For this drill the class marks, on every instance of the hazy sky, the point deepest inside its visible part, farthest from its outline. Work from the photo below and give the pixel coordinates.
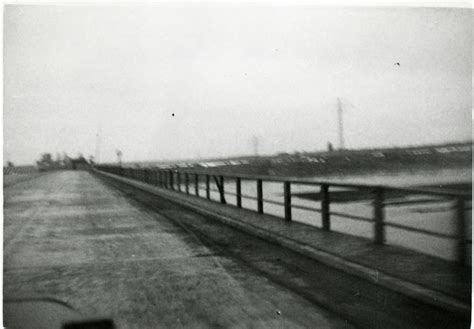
(229, 72)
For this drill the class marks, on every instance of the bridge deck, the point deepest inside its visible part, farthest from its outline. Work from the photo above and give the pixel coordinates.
(403, 266)
(69, 237)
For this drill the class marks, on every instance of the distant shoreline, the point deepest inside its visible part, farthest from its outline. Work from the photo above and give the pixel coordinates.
(341, 162)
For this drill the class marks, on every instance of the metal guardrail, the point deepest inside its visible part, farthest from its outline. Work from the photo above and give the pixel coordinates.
(183, 180)
(20, 170)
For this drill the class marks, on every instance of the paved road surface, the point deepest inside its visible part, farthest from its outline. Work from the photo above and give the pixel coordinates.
(69, 238)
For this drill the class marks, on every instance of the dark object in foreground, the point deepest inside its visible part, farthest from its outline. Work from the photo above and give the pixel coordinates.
(93, 324)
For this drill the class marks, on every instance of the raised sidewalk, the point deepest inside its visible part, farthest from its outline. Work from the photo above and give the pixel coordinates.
(429, 279)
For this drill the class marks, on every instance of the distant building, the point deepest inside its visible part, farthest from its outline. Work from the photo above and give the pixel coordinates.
(79, 163)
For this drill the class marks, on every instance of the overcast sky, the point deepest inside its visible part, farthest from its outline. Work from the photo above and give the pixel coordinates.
(230, 72)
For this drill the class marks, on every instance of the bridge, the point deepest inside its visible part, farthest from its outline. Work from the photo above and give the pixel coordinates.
(151, 248)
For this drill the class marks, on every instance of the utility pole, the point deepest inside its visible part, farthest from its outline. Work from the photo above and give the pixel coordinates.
(97, 144)
(255, 143)
(119, 157)
(340, 124)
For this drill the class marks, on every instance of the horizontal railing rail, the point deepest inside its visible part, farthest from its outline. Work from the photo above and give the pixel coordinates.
(306, 181)
(194, 182)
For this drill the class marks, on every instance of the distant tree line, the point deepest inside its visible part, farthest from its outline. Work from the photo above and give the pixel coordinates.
(62, 161)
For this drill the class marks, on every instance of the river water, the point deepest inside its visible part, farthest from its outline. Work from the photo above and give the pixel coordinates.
(437, 216)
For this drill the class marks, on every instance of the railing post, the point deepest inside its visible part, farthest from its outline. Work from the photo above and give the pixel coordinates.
(208, 187)
(196, 184)
(238, 192)
(259, 196)
(325, 202)
(461, 247)
(178, 180)
(186, 182)
(221, 190)
(171, 179)
(287, 200)
(379, 227)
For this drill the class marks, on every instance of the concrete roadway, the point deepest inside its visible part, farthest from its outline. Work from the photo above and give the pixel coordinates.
(75, 248)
